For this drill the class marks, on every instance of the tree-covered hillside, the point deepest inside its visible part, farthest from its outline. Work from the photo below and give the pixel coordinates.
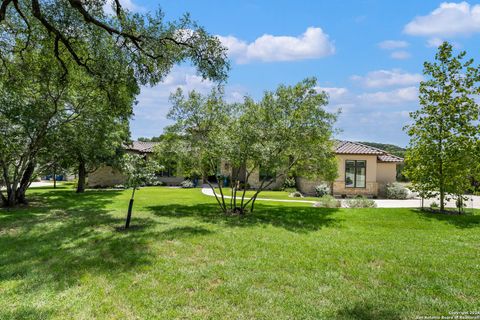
(390, 148)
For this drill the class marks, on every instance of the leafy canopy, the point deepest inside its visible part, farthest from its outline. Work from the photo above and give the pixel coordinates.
(444, 137)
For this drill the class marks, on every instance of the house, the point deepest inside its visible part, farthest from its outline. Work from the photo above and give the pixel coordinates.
(362, 170)
(107, 176)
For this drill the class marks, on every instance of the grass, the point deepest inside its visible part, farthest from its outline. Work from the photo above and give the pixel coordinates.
(281, 195)
(66, 257)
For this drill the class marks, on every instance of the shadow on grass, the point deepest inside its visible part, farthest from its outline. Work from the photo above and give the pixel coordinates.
(463, 221)
(295, 218)
(367, 311)
(23, 313)
(64, 235)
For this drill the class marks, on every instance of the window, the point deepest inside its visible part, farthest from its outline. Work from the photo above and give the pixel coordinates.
(355, 173)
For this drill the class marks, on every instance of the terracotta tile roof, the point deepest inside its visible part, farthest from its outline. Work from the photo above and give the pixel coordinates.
(389, 158)
(341, 147)
(140, 146)
(349, 147)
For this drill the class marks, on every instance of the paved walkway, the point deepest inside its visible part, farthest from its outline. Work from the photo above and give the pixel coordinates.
(209, 192)
(473, 202)
(43, 183)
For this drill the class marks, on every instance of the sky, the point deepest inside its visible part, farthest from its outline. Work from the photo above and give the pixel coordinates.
(367, 55)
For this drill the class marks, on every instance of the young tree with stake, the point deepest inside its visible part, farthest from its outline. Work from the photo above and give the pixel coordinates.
(139, 172)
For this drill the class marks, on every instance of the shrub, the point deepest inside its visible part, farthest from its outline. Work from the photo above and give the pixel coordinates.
(158, 183)
(296, 194)
(289, 183)
(322, 190)
(290, 190)
(187, 184)
(434, 205)
(327, 201)
(396, 191)
(361, 202)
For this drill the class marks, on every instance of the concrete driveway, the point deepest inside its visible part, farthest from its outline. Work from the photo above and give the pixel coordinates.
(472, 203)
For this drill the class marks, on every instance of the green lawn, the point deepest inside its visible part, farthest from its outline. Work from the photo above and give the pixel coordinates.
(65, 257)
(282, 195)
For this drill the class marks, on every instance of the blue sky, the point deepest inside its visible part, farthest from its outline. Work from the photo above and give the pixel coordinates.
(367, 55)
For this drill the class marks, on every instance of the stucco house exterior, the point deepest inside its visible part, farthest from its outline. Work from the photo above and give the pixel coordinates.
(362, 170)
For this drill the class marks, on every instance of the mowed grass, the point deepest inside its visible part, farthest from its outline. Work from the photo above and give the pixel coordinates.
(267, 194)
(66, 257)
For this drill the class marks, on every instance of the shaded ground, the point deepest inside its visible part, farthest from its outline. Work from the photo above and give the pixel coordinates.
(66, 256)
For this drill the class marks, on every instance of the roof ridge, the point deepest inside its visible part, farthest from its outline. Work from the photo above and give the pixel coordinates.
(367, 146)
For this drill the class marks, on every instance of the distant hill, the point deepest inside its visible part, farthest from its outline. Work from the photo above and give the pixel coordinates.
(390, 148)
(152, 139)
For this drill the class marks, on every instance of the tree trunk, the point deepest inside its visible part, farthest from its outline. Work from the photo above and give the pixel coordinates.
(54, 179)
(82, 173)
(442, 192)
(16, 192)
(130, 207)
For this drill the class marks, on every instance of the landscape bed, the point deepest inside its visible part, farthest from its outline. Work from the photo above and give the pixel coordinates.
(66, 256)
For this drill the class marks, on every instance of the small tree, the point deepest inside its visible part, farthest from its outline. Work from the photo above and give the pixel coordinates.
(139, 172)
(442, 155)
(287, 132)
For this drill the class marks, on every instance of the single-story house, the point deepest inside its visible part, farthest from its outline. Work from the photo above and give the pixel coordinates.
(362, 170)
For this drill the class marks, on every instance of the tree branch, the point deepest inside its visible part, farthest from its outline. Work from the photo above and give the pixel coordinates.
(3, 9)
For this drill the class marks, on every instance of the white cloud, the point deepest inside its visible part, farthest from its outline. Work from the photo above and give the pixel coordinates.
(334, 93)
(153, 102)
(434, 42)
(388, 78)
(313, 43)
(397, 96)
(393, 44)
(448, 20)
(400, 55)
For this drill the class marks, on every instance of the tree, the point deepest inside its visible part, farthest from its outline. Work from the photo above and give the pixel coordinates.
(83, 30)
(442, 156)
(57, 57)
(95, 138)
(139, 172)
(38, 99)
(35, 99)
(287, 132)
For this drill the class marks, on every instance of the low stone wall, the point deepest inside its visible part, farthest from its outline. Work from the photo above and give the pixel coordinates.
(340, 189)
(105, 176)
(307, 186)
(254, 182)
(171, 181)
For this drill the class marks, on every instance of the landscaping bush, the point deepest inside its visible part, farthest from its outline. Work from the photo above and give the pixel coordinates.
(396, 191)
(187, 184)
(361, 202)
(434, 205)
(327, 201)
(296, 194)
(290, 190)
(289, 183)
(322, 190)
